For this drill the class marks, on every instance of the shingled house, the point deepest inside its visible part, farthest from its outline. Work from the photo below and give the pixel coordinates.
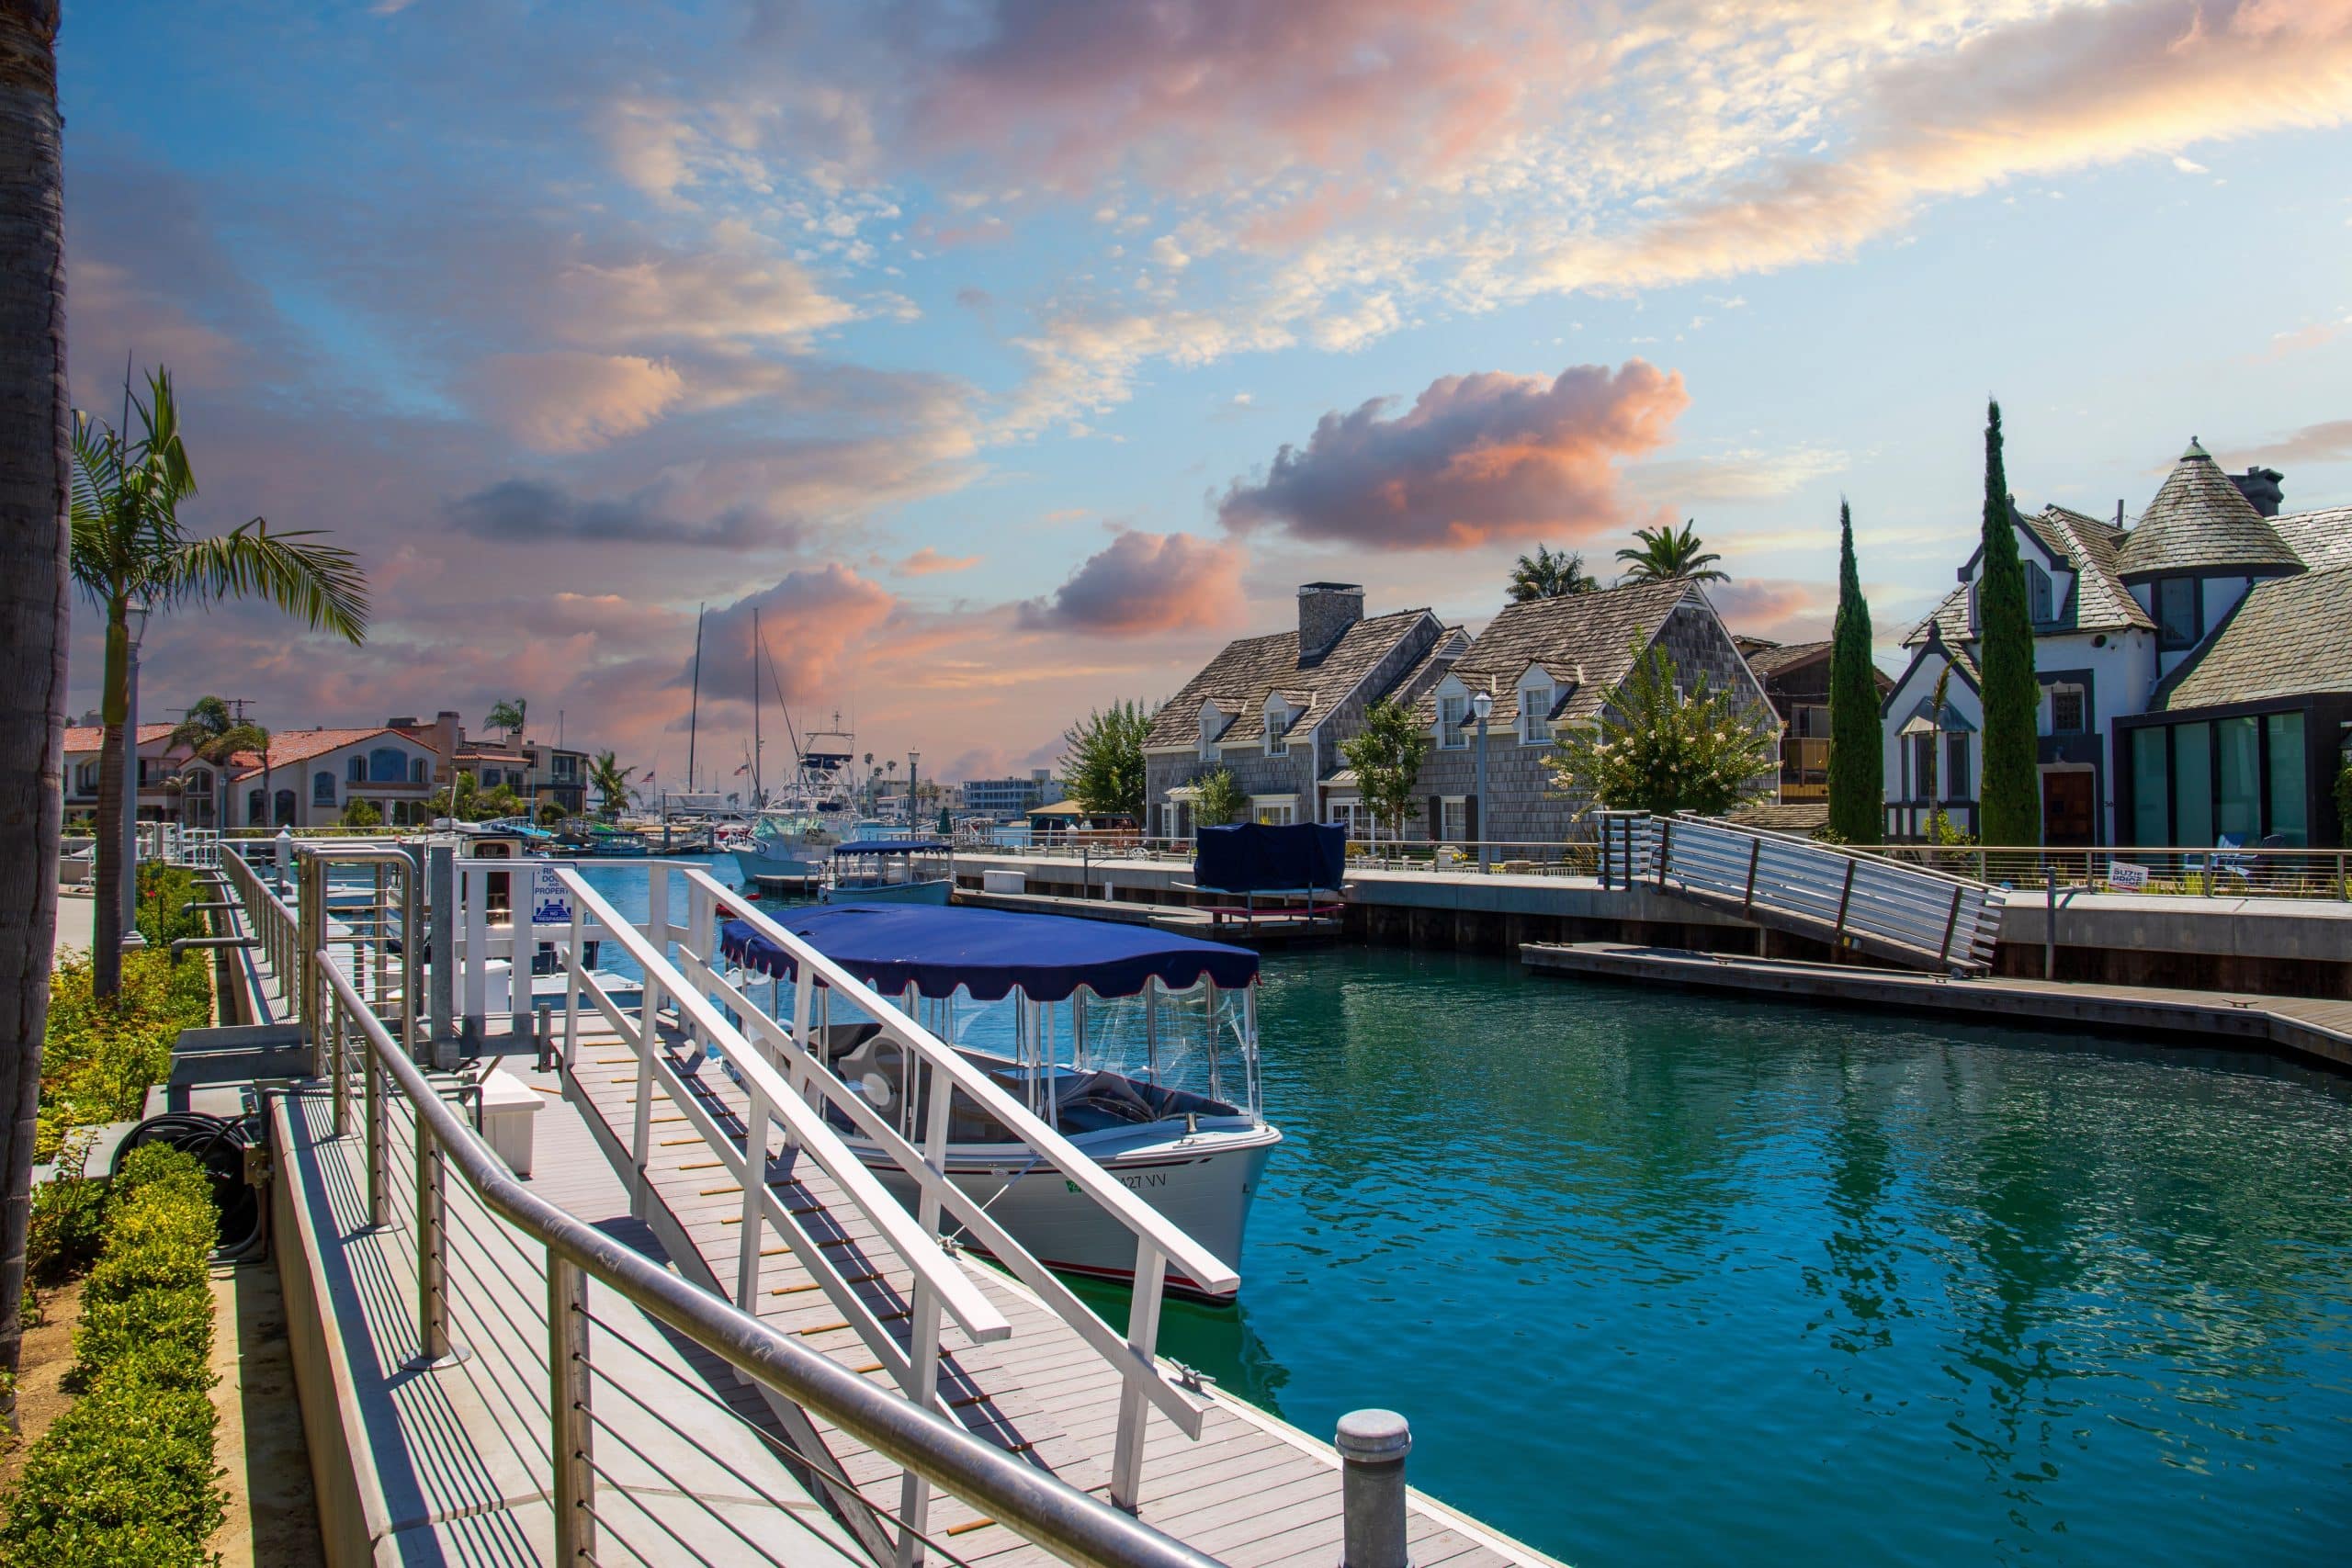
(2195, 671)
(1796, 683)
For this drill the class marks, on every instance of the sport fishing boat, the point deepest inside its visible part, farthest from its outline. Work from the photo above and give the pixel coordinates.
(1137, 1045)
(891, 871)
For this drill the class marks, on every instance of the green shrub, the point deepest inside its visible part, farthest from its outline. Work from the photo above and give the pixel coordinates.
(68, 1218)
(100, 1058)
(127, 1474)
(165, 894)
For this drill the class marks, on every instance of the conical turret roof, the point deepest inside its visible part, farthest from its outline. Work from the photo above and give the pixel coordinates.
(2200, 523)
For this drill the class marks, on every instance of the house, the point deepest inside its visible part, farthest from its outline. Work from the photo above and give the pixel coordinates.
(1796, 683)
(163, 794)
(1001, 800)
(531, 769)
(1548, 665)
(1274, 709)
(310, 776)
(2193, 667)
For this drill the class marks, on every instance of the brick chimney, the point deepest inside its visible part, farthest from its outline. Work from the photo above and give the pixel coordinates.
(2260, 486)
(1326, 610)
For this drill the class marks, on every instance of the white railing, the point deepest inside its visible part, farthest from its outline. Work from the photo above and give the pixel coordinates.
(1159, 1242)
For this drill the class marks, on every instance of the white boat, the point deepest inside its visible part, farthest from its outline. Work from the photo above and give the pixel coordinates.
(891, 871)
(1139, 1046)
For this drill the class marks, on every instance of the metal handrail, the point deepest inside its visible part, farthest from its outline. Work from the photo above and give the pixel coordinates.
(1039, 1506)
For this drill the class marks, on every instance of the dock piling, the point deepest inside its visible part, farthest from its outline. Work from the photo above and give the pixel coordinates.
(1373, 1445)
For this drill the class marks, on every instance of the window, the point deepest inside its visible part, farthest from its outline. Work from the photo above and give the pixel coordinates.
(1453, 822)
(416, 769)
(323, 788)
(2289, 814)
(1534, 715)
(257, 809)
(387, 765)
(1277, 729)
(196, 784)
(2192, 784)
(285, 804)
(2150, 787)
(1211, 722)
(2066, 715)
(2241, 778)
(1451, 711)
(1955, 776)
(86, 778)
(1923, 764)
(357, 772)
(2176, 613)
(2037, 594)
(1269, 813)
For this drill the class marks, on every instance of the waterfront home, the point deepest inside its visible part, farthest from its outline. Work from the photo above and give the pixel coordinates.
(2193, 665)
(531, 769)
(1274, 709)
(312, 775)
(160, 799)
(1549, 665)
(1002, 800)
(1796, 683)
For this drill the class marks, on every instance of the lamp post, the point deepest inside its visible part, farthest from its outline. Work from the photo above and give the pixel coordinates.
(914, 761)
(1481, 704)
(135, 610)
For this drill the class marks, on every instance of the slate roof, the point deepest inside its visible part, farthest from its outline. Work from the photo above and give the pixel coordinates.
(2320, 539)
(1771, 657)
(2285, 638)
(1950, 621)
(1242, 676)
(1591, 632)
(2091, 545)
(2200, 522)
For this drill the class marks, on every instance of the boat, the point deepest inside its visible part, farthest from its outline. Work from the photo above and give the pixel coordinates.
(1138, 1045)
(891, 871)
(597, 840)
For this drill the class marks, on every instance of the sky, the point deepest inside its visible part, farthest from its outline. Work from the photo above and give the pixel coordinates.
(1008, 356)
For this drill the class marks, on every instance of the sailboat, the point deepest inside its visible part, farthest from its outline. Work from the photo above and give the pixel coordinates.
(794, 833)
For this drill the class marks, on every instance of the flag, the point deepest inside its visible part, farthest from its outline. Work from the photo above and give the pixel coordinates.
(741, 770)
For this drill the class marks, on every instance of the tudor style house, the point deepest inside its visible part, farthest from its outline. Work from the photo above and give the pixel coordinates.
(2196, 673)
(1274, 710)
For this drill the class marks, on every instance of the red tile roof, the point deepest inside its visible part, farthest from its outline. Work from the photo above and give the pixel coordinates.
(90, 736)
(300, 745)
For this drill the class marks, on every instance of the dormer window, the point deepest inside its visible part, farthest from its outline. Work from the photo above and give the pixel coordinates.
(1452, 713)
(1277, 727)
(2038, 595)
(1536, 696)
(1212, 726)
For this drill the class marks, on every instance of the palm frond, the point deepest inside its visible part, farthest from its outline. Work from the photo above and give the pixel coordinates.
(319, 584)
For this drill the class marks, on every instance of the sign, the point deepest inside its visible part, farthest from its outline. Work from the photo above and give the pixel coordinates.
(550, 899)
(2126, 876)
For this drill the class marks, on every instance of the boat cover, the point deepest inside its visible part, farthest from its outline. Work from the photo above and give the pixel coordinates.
(990, 952)
(1253, 857)
(894, 847)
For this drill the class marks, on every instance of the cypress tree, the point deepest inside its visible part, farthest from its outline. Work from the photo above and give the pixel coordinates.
(2009, 796)
(1856, 735)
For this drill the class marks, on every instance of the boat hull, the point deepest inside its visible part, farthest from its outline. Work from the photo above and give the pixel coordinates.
(892, 893)
(780, 862)
(1205, 1184)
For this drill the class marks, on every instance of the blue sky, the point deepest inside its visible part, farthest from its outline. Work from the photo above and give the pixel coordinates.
(962, 339)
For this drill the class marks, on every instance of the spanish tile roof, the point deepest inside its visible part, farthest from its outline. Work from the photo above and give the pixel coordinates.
(2320, 539)
(2089, 545)
(93, 738)
(301, 745)
(2198, 522)
(1591, 633)
(1240, 678)
(2284, 640)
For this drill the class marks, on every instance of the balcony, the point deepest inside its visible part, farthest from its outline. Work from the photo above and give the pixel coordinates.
(1805, 768)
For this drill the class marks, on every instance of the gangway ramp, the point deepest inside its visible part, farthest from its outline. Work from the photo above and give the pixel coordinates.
(1851, 899)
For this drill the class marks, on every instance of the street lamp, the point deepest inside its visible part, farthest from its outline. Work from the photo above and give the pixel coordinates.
(1481, 704)
(914, 761)
(135, 609)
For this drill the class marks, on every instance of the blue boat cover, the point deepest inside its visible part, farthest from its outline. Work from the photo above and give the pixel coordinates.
(989, 952)
(1252, 857)
(893, 847)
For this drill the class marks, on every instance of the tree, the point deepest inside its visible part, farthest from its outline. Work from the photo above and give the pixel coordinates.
(611, 781)
(2009, 788)
(1547, 575)
(509, 713)
(34, 469)
(1102, 761)
(1221, 799)
(210, 732)
(1655, 749)
(131, 544)
(1388, 755)
(1667, 556)
(1857, 729)
(359, 813)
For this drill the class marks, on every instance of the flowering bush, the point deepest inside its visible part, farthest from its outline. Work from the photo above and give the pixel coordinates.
(1658, 748)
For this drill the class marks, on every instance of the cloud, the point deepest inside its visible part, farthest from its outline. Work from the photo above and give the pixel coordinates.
(1748, 474)
(1778, 609)
(1481, 458)
(569, 402)
(2330, 442)
(524, 510)
(721, 295)
(811, 620)
(1143, 584)
(928, 562)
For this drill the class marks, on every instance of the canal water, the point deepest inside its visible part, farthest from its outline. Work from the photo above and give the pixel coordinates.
(1666, 1280)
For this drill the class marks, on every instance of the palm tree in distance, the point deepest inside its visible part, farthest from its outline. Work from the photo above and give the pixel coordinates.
(611, 781)
(210, 732)
(509, 713)
(1668, 556)
(130, 545)
(1547, 575)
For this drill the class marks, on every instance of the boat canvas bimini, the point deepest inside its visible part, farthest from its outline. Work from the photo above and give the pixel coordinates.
(892, 870)
(1136, 1045)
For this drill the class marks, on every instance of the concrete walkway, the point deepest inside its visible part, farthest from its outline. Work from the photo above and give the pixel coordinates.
(74, 918)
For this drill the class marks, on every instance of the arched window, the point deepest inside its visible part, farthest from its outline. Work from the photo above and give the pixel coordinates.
(323, 788)
(387, 765)
(257, 809)
(285, 809)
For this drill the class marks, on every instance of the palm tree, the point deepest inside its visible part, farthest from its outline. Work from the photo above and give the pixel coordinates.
(209, 732)
(131, 544)
(1547, 575)
(34, 421)
(611, 781)
(1667, 556)
(509, 713)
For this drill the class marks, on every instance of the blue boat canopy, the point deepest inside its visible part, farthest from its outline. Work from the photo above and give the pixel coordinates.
(1257, 857)
(990, 952)
(893, 847)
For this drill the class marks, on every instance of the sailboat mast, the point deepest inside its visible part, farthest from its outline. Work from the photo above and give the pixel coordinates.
(758, 796)
(694, 709)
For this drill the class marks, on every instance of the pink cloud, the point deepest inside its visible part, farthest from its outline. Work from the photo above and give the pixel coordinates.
(1778, 609)
(928, 562)
(1480, 458)
(2328, 441)
(569, 401)
(1143, 584)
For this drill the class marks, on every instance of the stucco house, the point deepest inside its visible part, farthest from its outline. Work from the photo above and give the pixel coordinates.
(2194, 670)
(312, 774)
(190, 801)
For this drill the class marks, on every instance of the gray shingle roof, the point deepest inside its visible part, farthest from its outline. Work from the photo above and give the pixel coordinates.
(2286, 638)
(1771, 660)
(2320, 539)
(1242, 676)
(1594, 631)
(2090, 546)
(2200, 522)
(1950, 621)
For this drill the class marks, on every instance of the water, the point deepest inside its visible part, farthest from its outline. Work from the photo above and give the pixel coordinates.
(1666, 1280)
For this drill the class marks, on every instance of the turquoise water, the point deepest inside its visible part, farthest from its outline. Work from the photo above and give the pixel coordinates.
(1664, 1280)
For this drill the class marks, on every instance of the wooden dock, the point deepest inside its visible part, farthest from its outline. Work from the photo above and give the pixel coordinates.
(1182, 920)
(2306, 1029)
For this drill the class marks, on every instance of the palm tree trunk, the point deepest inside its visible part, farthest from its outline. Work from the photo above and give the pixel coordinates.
(34, 405)
(106, 916)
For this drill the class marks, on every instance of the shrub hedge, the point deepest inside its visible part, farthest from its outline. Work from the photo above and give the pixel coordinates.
(165, 894)
(126, 1476)
(98, 1058)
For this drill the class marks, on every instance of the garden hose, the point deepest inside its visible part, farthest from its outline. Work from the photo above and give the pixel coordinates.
(218, 1145)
